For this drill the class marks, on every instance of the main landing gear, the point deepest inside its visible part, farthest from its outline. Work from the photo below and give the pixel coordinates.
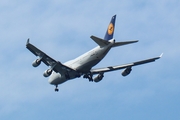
(88, 76)
(56, 89)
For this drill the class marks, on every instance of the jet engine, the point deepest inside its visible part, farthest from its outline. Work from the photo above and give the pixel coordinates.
(127, 71)
(99, 77)
(47, 73)
(36, 63)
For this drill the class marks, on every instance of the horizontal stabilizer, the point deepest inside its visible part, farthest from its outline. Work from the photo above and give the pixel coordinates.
(124, 43)
(100, 41)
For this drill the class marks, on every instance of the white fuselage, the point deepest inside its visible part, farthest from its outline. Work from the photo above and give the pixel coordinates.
(82, 64)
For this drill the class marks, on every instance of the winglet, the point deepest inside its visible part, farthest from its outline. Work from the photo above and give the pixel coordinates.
(27, 42)
(161, 55)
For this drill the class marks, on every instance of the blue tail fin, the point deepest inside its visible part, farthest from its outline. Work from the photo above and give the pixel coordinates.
(110, 29)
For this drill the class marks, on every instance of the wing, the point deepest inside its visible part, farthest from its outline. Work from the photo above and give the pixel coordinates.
(118, 67)
(55, 65)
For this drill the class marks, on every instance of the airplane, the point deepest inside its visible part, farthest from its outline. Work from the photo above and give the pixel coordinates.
(59, 73)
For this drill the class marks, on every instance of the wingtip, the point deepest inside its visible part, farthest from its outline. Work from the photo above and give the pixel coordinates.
(136, 40)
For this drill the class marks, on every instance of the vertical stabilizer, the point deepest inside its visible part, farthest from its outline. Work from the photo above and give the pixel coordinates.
(110, 29)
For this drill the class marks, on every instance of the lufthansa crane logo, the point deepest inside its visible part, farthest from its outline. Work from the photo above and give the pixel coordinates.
(110, 29)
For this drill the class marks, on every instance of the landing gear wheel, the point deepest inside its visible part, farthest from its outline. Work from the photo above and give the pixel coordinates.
(91, 80)
(56, 89)
(88, 76)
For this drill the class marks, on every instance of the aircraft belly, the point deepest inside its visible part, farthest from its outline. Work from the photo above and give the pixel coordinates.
(87, 66)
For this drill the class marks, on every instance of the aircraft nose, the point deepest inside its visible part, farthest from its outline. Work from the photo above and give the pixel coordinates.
(50, 80)
(56, 79)
(53, 79)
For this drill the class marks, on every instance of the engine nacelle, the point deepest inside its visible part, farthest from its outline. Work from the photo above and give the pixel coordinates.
(47, 73)
(127, 71)
(99, 77)
(36, 63)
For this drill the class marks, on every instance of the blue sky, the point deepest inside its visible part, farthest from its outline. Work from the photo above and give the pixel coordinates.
(62, 29)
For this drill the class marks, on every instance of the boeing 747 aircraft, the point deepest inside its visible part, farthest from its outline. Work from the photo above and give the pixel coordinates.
(59, 73)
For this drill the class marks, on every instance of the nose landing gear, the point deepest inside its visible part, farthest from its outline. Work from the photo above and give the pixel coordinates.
(56, 89)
